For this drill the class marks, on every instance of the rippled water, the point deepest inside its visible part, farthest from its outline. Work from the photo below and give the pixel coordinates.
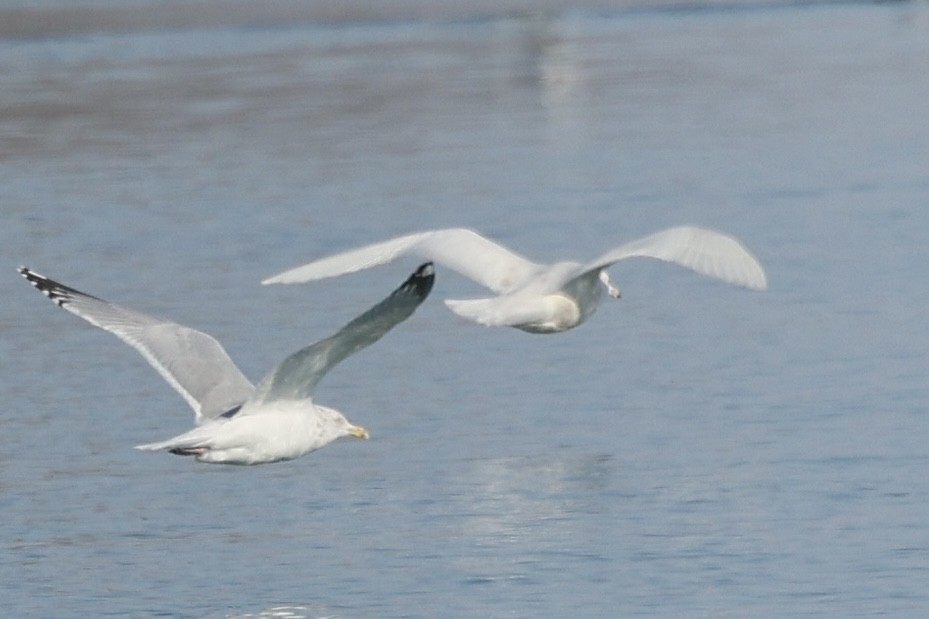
(695, 450)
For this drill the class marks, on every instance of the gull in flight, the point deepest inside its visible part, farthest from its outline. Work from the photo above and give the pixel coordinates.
(535, 297)
(236, 422)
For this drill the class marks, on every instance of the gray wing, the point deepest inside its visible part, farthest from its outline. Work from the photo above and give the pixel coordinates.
(297, 376)
(194, 363)
(459, 249)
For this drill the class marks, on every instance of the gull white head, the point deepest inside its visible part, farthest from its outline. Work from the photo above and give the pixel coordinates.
(340, 426)
(610, 288)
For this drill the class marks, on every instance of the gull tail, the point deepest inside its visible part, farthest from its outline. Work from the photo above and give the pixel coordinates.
(163, 445)
(481, 311)
(178, 451)
(188, 444)
(521, 312)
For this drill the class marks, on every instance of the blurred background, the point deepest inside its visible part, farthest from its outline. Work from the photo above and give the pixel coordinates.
(694, 450)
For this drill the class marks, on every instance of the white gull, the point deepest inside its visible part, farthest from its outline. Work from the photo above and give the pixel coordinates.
(238, 423)
(535, 297)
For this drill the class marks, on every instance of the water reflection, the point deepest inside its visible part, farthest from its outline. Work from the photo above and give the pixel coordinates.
(533, 498)
(284, 612)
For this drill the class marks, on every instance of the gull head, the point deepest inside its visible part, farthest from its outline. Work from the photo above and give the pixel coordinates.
(612, 290)
(333, 425)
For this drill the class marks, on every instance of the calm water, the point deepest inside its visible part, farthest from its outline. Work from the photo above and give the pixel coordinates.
(695, 450)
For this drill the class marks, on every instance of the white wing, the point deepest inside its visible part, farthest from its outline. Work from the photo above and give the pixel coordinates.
(704, 251)
(458, 249)
(297, 376)
(194, 363)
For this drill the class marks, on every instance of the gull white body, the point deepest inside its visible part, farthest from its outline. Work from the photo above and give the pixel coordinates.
(281, 430)
(540, 298)
(237, 422)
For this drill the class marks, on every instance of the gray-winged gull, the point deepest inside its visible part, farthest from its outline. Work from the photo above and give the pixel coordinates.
(238, 423)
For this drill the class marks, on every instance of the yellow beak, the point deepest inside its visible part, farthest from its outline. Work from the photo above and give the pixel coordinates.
(358, 432)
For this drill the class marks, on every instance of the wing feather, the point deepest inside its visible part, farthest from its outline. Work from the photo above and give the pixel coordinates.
(192, 362)
(459, 249)
(297, 376)
(705, 251)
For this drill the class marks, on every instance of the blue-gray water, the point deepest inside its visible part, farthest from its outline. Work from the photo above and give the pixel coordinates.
(695, 450)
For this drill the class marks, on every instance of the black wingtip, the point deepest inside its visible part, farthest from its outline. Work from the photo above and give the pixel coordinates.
(420, 282)
(425, 270)
(59, 293)
(42, 283)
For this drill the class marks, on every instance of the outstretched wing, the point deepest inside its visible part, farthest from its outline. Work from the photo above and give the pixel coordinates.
(192, 362)
(297, 376)
(705, 251)
(458, 249)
